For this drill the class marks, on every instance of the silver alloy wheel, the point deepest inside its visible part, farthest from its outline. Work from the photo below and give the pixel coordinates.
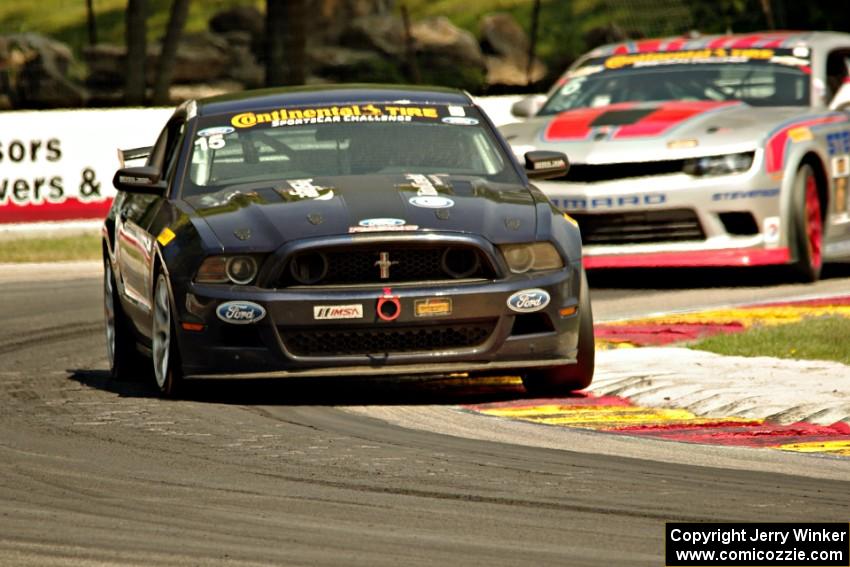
(109, 312)
(161, 331)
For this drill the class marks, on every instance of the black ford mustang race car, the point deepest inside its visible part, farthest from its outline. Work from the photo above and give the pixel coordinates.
(342, 230)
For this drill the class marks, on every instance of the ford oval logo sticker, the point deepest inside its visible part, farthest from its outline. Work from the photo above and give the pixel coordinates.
(528, 300)
(240, 312)
(381, 222)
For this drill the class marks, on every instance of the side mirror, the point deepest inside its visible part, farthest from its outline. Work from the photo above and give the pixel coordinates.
(546, 165)
(841, 100)
(528, 106)
(143, 179)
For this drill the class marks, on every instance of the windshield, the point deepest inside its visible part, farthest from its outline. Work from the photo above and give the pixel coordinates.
(307, 142)
(759, 77)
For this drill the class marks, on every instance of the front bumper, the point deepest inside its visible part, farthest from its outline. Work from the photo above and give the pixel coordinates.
(262, 349)
(736, 218)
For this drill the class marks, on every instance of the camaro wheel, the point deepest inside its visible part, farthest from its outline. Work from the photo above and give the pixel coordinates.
(807, 226)
(166, 361)
(121, 350)
(563, 379)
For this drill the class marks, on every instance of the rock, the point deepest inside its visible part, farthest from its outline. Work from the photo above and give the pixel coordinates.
(447, 55)
(383, 33)
(342, 64)
(201, 58)
(332, 17)
(507, 72)
(242, 64)
(244, 20)
(37, 73)
(502, 35)
(438, 36)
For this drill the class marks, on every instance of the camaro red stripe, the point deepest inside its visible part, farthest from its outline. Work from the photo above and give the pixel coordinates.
(575, 124)
(691, 259)
(777, 144)
(666, 116)
(70, 209)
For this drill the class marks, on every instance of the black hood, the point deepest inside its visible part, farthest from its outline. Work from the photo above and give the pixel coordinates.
(261, 216)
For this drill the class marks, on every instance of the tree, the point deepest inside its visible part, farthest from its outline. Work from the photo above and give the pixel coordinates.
(286, 42)
(136, 22)
(165, 62)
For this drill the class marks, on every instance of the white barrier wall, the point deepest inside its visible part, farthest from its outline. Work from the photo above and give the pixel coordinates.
(58, 165)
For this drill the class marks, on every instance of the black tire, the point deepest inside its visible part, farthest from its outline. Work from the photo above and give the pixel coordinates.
(165, 354)
(806, 226)
(125, 361)
(558, 380)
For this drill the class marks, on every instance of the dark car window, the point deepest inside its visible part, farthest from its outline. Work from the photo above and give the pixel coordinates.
(765, 78)
(353, 140)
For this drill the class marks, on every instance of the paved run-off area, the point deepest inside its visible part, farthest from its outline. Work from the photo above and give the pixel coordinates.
(679, 394)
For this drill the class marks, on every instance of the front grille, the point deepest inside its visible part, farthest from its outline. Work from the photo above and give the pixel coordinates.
(363, 265)
(673, 225)
(390, 339)
(587, 173)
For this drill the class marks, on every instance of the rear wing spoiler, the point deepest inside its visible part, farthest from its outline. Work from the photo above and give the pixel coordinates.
(133, 154)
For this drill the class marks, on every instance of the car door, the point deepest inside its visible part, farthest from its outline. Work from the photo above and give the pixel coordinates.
(135, 245)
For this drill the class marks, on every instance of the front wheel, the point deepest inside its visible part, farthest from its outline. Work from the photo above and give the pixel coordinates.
(807, 226)
(166, 356)
(563, 379)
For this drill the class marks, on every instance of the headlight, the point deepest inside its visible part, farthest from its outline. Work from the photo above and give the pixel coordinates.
(719, 165)
(533, 256)
(240, 270)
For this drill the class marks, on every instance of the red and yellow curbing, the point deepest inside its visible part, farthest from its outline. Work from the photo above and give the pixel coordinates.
(613, 414)
(682, 327)
(617, 415)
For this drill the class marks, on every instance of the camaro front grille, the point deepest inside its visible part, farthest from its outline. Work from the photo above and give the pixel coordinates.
(641, 227)
(382, 340)
(384, 264)
(587, 173)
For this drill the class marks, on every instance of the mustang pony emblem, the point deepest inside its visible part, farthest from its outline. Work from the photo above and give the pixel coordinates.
(384, 263)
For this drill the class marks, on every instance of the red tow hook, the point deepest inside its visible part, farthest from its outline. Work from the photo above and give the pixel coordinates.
(389, 307)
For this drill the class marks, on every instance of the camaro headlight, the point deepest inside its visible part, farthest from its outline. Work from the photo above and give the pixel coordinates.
(532, 256)
(719, 165)
(240, 270)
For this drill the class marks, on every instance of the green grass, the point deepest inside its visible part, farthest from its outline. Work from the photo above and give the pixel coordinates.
(817, 338)
(57, 249)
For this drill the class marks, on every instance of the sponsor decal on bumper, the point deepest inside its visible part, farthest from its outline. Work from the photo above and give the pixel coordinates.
(240, 312)
(324, 312)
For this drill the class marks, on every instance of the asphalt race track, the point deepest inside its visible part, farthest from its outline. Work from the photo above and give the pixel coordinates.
(95, 472)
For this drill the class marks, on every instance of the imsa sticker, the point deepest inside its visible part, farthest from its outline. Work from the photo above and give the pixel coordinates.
(529, 300)
(240, 312)
(325, 312)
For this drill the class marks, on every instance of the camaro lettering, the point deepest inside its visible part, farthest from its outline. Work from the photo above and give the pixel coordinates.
(583, 203)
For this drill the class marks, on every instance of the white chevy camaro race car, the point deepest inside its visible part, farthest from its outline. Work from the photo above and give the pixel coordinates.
(716, 151)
